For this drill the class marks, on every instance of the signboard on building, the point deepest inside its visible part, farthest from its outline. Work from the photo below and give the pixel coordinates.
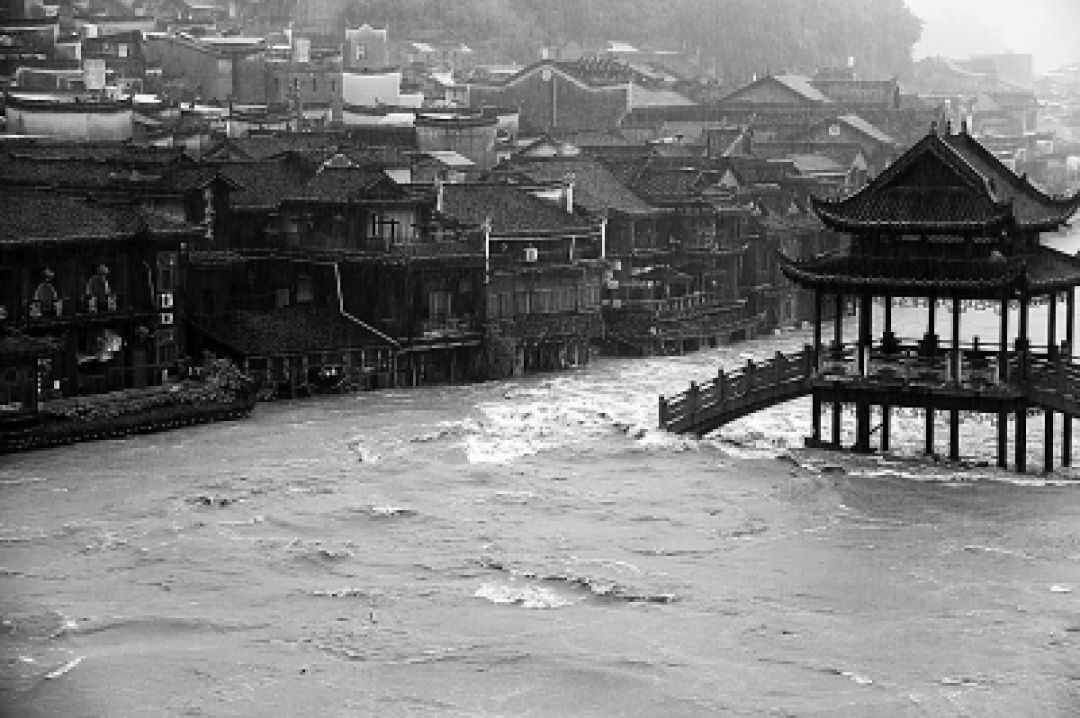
(94, 74)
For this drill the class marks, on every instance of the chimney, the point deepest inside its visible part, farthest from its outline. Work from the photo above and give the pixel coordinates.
(438, 194)
(568, 191)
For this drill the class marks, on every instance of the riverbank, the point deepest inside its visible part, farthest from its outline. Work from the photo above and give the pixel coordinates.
(223, 394)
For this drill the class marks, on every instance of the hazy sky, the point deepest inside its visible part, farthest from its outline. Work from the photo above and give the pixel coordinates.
(1048, 29)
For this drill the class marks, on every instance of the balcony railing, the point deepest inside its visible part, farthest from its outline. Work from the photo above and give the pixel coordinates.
(446, 326)
(43, 311)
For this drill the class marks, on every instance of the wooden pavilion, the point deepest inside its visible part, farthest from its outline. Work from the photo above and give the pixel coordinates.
(946, 224)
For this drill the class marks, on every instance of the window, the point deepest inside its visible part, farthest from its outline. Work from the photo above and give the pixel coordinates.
(166, 266)
(304, 291)
(439, 304)
(521, 301)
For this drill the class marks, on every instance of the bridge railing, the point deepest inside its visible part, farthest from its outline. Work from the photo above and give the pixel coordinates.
(730, 390)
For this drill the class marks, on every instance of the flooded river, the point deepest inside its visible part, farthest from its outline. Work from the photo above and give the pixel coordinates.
(536, 548)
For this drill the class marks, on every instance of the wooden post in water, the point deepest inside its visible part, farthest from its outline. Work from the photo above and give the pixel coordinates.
(665, 415)
(692, 401)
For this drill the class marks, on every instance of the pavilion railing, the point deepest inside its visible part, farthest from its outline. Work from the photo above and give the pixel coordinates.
(1050, 377)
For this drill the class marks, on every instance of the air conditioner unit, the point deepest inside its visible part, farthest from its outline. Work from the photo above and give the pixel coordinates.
(165, 300)
(166, 318)
(613, 284)
(531, 254)
(616, 264)
(616, 304)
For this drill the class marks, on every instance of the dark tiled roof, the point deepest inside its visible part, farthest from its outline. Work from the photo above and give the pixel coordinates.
(58, 174)
(341, 184)
(596, 188)
(291, 330)
(39, 216)
(185, 178)
(30, 217)
(510, 209)
(263, 184)
(947, 183)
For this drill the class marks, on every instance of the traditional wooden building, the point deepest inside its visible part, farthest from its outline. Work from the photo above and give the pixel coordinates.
(101, 282)
(947, 223)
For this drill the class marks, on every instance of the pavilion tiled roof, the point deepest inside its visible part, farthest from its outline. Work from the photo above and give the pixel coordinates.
(947, 184)
(1043, 269)
(510, 209)
(300, 329)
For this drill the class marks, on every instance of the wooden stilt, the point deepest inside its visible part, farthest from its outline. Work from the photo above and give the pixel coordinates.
(816, 420)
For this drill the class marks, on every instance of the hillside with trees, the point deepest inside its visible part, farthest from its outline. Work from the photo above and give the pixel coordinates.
(739, 37)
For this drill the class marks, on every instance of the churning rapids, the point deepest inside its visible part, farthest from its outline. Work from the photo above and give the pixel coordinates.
(536, 547)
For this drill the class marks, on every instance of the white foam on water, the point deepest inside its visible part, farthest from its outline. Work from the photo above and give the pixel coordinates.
(524, 595)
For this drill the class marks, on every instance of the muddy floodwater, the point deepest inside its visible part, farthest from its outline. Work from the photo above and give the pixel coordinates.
(537, 548)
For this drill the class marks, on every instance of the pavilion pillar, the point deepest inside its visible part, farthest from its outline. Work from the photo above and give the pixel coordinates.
(865, 332)
(815, 420)
(954, 360)
(1003, 439)
(886, 413)
(817, 329)
(862, 407)
(1066, 419)
(1003, 342)
(888, 314)
(929, 449)
(1021, 440)
(1051, 326)
(954, 434)
(1070, 321)
(1022, 342)
(836, 407)
(838, 340)
(1053, 354)
(931, 317)
(1048, 441)
(838, 325)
